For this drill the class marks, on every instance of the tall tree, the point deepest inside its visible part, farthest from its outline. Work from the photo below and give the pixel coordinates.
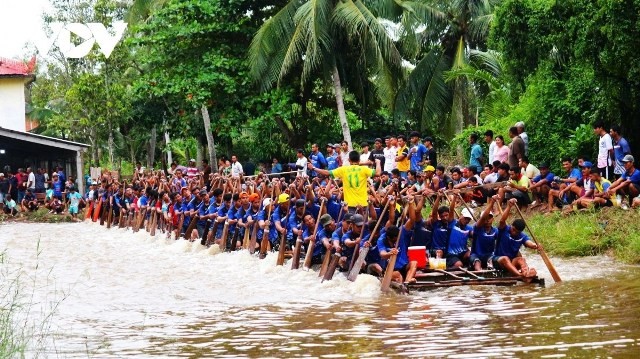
(312, 38)
(437, 36)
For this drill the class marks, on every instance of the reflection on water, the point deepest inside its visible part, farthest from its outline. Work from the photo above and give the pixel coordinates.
(129, 294)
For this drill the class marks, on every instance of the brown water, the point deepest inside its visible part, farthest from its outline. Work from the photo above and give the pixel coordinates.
(125, 294)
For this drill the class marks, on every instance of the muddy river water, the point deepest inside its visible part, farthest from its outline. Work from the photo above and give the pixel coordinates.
(114, 293)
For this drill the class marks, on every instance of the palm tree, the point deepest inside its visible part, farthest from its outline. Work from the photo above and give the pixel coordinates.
(438, 37)
(314, 37)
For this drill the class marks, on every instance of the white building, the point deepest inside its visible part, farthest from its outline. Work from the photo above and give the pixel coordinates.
(19, 148)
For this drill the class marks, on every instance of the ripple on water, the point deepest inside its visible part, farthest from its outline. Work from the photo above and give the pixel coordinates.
(129, 294)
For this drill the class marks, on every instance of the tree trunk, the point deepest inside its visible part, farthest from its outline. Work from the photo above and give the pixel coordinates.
(199, 153)
(342, 115)
(132, 151)
(110, 144)
(167, 141)
(211, 146)
(151, 152)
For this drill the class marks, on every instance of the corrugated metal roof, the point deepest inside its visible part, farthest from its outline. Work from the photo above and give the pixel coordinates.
(15, 67)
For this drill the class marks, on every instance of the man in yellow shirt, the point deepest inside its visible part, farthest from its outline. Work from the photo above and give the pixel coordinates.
(402, 159)
(518, 188)
(354, 179)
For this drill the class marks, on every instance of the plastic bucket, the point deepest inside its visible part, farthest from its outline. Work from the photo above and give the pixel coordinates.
(418, 254)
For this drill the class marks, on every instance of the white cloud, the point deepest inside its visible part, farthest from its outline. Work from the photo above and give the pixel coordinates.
(20, 23)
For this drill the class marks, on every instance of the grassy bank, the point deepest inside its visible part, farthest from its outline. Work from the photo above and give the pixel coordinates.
(610, 231)
(42, 215)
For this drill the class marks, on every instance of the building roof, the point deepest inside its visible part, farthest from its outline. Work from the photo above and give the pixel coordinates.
(43, 140)
(15, 68)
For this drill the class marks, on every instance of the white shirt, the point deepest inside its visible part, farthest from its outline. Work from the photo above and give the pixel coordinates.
(301, 163)
(236, 169)
(525, 139)
(46, 179)
(604, 145)
(31, 182)
(492, 151)
(491, 178)
(344, 157)
(364, 158)
(390, 154)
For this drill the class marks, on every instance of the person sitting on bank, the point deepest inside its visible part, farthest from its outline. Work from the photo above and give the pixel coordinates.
(628, 183)
(517, 188)
(29, 202)
(10, 205)
(510, 239)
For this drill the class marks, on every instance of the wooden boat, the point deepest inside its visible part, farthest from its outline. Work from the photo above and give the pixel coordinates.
(429, 279)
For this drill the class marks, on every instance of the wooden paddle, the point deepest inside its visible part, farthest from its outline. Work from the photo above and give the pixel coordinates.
(224, 235)
(327, 255)
(154, 222)
(543, 254)
(467, 207)
(192, 225)
(90, 204)
(362, 256)
(264, 244)
(180, 225)
(110, 214)
(254, 234)
(354, 255)
(312, 243)
(386, 280)
(281, 249)
(295, 259)
(331, 269)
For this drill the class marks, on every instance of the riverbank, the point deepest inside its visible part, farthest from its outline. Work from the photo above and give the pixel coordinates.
(608, 231)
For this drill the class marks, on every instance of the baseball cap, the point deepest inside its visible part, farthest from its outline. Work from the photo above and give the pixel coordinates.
(587, 164)
(428, 138)
(1, 174)
(430, 169)
(543, 165)
(336, 145)
(266, 202)
(244, 195)
(283, 198)
(325, 219)
(192, 160)
(628, 158)
(253, 197)
(519, 124)
(94, 182)
(358, 219)
(348, 217)
(466, 213)
(331, 145)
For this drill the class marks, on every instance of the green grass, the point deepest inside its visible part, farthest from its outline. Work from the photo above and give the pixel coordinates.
(608, 231)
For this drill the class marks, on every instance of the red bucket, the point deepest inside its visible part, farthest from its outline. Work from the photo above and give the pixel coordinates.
(418, 254)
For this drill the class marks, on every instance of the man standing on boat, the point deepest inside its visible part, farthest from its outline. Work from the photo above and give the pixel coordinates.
(510, 239)
(354, 178)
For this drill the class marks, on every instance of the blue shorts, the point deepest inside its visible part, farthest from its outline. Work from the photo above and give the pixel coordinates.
(73, 209)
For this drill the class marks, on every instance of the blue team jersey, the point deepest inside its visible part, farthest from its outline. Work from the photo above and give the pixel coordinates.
(483, 243)
(417, 156)
(332, 162)
(508, 245)
(634, 177)
(422, 236)
(458, 239)
(441, 234)
(549, 177)
(403, 249)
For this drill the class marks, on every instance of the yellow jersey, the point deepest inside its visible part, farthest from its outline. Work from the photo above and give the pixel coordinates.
(405, 164)
(354, 183)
